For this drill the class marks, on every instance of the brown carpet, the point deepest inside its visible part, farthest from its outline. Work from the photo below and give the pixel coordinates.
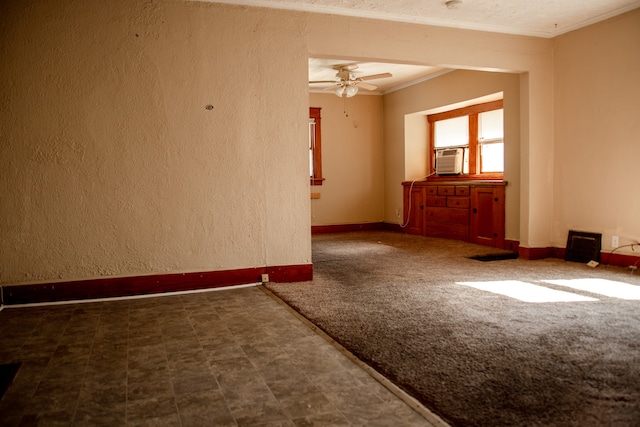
(474, 357)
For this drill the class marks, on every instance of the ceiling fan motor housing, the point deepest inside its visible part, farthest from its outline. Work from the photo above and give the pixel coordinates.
(344, 75)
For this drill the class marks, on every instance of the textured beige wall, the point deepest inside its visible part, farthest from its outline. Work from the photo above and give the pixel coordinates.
(111, 165)
(405, 112)
(352, 160)
(597, 129)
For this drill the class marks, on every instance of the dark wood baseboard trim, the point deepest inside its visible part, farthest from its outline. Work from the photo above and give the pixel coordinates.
(606, 258)
(511, 245)
(341, 228)
(290, 273)
(392, 227)
(535, 253)
(111, 287)
(559, 253)
(620, 260)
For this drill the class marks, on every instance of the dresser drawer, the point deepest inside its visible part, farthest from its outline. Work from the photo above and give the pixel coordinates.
(436, 201)
(431, 190)
(457, 202)
(462, 190)
(446, 190)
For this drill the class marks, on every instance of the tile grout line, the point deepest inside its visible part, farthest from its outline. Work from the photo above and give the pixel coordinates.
(215, 377)
(126, 379)
(410, 401)
(166, 358)
(84, 375)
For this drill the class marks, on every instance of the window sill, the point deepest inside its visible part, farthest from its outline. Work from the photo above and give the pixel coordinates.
(463, 177)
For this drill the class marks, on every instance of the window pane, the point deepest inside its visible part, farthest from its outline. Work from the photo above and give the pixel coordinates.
(465, 161)
(490, 125)
(452, 132)
(492, 157)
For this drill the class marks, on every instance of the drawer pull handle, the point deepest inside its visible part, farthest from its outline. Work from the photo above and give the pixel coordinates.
(475, 210)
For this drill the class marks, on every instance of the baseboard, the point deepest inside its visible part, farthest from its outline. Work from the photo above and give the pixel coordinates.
(392, 227)
(511, 245)
(606, 258)
(535, 253)
(341, 228)
(111, 287)
(620, 260)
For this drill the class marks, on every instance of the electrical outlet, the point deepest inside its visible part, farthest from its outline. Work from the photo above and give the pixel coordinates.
(265, 278)
(614, 241)
(398, 212)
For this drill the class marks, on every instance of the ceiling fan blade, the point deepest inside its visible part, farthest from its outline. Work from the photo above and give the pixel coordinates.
(366, 86)
(375, 76)
(322, 81)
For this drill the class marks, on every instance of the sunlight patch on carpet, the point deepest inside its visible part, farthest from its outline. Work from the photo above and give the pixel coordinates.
(609, 288)
(526, 292)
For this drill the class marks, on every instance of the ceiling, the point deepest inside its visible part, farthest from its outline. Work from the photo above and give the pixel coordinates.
(539, 18)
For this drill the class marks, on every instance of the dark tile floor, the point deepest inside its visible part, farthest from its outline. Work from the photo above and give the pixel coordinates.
(220, 358)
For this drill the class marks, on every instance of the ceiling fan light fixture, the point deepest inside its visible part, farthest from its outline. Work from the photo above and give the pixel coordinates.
(339, 91)
(351, 91)
(453, 4)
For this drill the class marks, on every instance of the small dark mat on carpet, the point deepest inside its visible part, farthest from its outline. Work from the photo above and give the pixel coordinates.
(495, 257)
(7, 374)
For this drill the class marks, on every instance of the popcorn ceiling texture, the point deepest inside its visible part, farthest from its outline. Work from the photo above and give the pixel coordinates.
(542, 18)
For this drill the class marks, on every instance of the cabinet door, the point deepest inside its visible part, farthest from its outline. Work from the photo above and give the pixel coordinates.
(414, 210)
(487, 216)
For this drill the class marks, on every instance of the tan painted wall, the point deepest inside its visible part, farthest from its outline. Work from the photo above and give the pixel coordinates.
(111, 165)
(352, 160)
(597, 128)
(405, 112)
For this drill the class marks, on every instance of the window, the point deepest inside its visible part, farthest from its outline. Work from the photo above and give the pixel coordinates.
(315, 147)
(491, 141)
(478, 130)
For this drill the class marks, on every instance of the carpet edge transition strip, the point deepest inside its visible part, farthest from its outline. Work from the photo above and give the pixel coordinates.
(410, 401)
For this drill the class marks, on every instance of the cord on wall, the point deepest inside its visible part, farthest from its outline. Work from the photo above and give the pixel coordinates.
(404, 224)
(631, 245)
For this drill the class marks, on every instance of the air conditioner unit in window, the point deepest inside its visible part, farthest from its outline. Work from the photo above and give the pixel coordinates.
(449, 161)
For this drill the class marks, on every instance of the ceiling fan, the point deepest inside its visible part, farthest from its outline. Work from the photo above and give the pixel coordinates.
(347, 84)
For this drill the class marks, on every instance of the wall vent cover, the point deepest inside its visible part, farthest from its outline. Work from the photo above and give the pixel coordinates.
(583, 246)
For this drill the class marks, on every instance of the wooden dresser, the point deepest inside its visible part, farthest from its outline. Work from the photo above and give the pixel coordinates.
(472, 211)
